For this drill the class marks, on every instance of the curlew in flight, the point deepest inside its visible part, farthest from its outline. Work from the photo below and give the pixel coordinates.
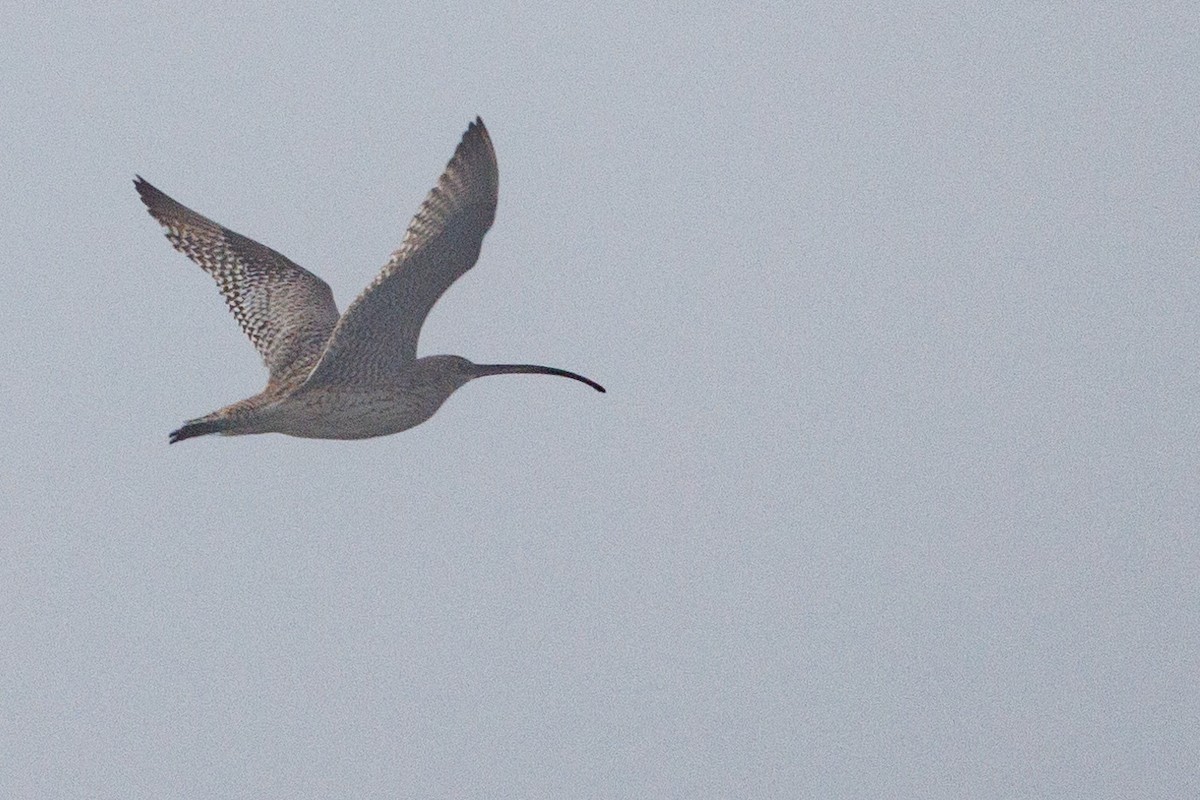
(357, 375)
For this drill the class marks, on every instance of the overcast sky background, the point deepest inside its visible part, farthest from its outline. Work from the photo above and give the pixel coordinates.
(893, 493)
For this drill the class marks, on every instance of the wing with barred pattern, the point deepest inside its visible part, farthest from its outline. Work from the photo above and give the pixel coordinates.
(287, 312)
(378, 334)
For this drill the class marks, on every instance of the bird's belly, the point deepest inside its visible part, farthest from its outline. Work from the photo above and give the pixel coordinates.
(349, 414)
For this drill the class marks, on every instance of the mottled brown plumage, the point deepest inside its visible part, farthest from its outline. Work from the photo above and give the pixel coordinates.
(358, 375)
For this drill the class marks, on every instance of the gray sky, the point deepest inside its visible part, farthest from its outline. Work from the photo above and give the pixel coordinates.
(894, 491)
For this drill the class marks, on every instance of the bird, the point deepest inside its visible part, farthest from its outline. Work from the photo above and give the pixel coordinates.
(355, 375)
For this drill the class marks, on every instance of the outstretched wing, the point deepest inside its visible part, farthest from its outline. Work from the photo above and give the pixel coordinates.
(287, 312)
(378, 333)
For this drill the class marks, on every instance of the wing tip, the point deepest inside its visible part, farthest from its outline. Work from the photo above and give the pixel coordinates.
(477, 134)
(167, 210)
(151, 197)
(476, 129)
(476, 151)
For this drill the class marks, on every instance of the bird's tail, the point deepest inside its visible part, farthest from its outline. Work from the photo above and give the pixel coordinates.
(199, 427)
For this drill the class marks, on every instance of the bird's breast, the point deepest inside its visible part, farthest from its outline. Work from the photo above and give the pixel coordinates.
(354, 412)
